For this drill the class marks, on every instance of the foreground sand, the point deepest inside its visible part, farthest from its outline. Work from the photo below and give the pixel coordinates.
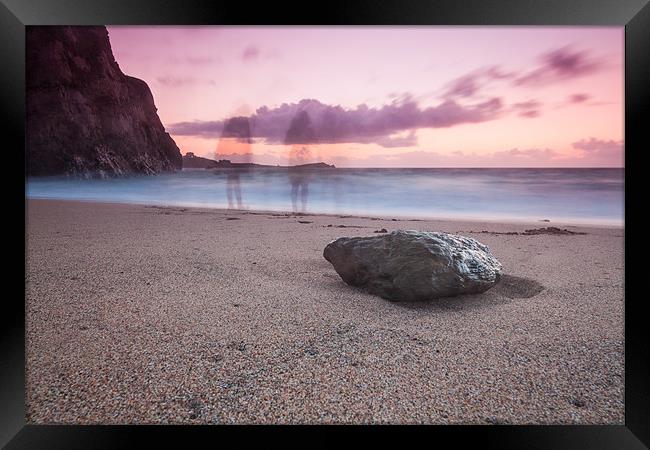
(141, 314)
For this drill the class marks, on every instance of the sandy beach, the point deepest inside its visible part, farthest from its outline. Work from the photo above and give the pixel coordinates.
(143, 314)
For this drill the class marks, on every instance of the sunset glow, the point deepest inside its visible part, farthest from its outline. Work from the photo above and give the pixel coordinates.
(389, 96)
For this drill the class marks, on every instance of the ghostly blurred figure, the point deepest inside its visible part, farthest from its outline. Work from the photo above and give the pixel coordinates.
(300, 136)
(235, 139)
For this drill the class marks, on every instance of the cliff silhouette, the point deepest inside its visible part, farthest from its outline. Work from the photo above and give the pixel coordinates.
(84, 116)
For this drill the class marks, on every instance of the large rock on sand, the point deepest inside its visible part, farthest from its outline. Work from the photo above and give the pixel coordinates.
(414, 266)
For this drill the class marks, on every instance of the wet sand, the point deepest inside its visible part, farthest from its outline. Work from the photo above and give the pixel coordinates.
(141, 314)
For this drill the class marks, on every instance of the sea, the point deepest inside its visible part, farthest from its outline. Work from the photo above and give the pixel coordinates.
(580, 196)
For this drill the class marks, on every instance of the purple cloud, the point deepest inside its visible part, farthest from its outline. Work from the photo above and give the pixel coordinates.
(529, 109)
(469, 85)
(578, 98)
(464, 86)
(410, 140)
(555, 65)
(560, 64)
(250, 53)
(599, 147)
(363, 124)
(529, 114)
(535, 153)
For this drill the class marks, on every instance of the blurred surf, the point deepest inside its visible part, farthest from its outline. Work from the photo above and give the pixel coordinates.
(559, 195)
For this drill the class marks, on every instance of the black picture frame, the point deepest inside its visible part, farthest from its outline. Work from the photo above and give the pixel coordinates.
(633, 14)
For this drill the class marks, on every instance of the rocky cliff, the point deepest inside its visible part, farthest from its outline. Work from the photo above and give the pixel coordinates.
(84, 116)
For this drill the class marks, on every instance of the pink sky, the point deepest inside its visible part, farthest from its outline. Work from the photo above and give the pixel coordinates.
(400, 96)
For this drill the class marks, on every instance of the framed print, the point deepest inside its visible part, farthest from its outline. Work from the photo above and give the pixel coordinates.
(396, 213)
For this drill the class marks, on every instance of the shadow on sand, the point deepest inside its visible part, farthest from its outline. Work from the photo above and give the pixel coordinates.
(508, 288)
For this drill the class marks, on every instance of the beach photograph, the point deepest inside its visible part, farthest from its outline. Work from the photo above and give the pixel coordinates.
(324, 225)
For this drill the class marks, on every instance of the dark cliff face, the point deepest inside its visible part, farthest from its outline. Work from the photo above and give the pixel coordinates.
(84, 115)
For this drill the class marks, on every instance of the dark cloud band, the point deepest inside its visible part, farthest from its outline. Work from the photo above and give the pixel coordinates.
(363, 124)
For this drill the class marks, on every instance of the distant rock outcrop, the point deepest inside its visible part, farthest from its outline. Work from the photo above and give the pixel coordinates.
(191, 161)
(318, 165)
(84, 115)
(406, 266)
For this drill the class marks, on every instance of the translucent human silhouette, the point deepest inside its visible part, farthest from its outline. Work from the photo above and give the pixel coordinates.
(235, 140)
(300, 136)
